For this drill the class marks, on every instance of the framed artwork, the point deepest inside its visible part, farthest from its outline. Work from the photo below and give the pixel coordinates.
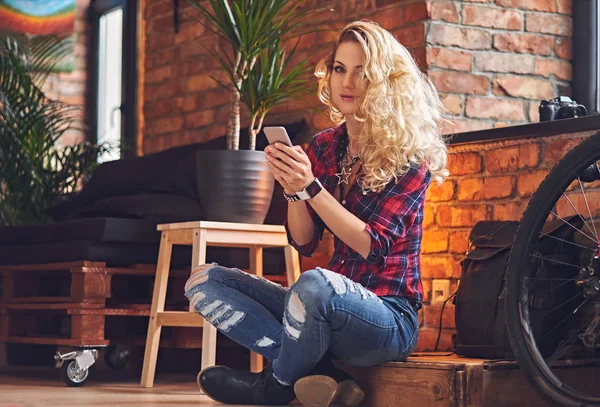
(40, 17)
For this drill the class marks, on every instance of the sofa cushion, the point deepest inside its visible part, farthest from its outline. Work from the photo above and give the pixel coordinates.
(92, 229)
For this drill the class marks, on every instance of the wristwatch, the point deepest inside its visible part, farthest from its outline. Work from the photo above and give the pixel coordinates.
(311, 190)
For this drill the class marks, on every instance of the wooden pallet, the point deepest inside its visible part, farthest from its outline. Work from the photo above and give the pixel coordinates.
(78, 282)
(84, 324)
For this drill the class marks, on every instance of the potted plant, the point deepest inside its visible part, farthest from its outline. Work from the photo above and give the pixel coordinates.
(34, 170)
(236, 185)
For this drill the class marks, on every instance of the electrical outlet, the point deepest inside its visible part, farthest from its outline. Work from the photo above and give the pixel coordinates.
(440, 290)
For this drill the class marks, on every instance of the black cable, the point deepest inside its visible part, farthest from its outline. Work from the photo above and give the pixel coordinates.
(441, 316)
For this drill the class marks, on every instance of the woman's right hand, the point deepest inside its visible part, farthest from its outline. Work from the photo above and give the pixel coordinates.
(278, 173)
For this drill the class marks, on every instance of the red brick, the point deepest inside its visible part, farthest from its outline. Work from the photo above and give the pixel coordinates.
(529, 155)
(534, 111)
(435, 241)
(535, 5)
(524, 43)
(433, 312)
(411, 37)
(203, 100)
(470, 189)
(451, 36)
(437, 266)
(451, 59)
(549, 24)
(440, 193)
(163, 107)
(547, 67)
(492, 17)
(426, 297)
(428, 336)
(456, 126)
(166, 124)
(199, 119)
(565, 6)
(445, 11)
(200, 82)
(501, 160)
(389, 18)
(557, 149)
(165, 89)
(498, 187)
(461, 216)
(503, 62)
(428, 217)
(452, 103)
(494, 108)
(519, 86)
(160, 24)
(157, 75)
(459, 82)
(190, 31)
(563, 48)
(510, 211)
(459, 242)
(157, 42)
(157, 9)
(194, 50)
(528, 182)
(415, 12)
(464, 163)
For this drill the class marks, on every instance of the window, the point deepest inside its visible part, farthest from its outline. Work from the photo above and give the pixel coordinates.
(113, 66)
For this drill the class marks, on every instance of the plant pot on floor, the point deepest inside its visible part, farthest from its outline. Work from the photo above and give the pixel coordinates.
(234, 185)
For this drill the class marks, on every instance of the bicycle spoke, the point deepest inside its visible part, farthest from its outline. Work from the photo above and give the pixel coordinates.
(580, 215)
(577, 229)
(564, 319)
(556, 261)
(588, 208)
(565, 241)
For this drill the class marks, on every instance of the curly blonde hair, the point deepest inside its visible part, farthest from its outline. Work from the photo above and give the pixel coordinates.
(400, 109)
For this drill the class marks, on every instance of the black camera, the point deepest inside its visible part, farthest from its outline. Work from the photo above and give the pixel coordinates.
(560, 108)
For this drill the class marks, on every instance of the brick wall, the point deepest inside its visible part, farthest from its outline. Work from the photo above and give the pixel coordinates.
(71, 87)
(489, 181)
(491, 60)
(494, 60)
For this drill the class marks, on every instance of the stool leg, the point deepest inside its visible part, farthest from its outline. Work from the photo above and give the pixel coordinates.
(257, 362)
(209, 332)
(158, 305)
(292, 264)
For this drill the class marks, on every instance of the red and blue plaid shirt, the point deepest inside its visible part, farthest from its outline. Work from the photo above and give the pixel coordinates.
(393, 218)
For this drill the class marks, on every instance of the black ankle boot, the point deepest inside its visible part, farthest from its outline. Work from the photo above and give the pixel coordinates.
(232, 386)
(326, 384)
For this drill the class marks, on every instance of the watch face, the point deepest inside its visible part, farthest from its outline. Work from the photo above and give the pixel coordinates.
(314, 188)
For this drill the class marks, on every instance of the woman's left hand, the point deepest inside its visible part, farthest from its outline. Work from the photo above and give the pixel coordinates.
(290, 164)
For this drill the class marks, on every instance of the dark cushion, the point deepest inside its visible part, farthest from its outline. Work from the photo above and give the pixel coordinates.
(159, 208)
(93, 229)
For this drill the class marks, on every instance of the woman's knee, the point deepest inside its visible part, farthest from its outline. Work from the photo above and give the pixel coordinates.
(204, 273)
(312, 289)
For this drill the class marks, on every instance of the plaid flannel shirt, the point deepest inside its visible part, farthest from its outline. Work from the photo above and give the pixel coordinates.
(393, 218)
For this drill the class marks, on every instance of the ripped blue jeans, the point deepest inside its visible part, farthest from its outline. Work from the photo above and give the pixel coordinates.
(294, 328)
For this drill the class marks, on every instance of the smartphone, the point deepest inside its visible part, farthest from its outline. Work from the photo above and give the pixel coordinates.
(277, 134)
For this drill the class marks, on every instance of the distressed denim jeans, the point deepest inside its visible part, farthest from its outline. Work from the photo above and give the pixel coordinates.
(294, 328)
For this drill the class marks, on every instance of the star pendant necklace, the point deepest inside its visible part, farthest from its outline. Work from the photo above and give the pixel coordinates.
(346, 165)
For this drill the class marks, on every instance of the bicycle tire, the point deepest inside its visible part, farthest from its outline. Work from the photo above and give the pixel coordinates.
(523, 343)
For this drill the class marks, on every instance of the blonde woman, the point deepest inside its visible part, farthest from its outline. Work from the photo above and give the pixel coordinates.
(365, 181)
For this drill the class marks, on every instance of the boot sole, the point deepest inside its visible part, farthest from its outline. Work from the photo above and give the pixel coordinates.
(316, 391)
(349, 393)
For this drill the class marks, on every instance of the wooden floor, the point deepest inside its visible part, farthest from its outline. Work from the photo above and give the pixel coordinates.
(42, 387)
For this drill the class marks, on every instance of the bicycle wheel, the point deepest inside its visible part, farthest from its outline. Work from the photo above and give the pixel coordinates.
(561, 357)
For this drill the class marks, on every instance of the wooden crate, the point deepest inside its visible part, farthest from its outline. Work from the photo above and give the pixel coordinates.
(432, 380)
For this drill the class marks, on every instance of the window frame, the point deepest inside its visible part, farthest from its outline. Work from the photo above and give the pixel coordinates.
(129, 71)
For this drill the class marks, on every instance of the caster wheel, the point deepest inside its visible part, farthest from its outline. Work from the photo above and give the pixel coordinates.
(117, 357)
(72, 375)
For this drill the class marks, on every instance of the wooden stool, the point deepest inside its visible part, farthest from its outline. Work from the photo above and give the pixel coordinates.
(200, 235)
